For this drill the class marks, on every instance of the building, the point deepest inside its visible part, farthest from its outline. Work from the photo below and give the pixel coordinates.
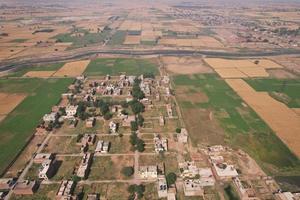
(84, 165)
(245, 192)
(6, 183)
(171, 193)
(160, 144)
(161, 120)
(90, 122)
(46, 170)
(188, 169)
(88, 139)
(25, 187)
(148, 172)
(93, 197)
(50, 117)
(169, 110)
(71, 110)
(206, 177)
(41, 157)
(127, 120)
(192, 187)
(112, 127)
(65, 190)
(287, 196)
(224, 171)
(162, 187)
(182, 137)
(102, 146)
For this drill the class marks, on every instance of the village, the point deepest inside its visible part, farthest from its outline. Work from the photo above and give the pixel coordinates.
(137, 119)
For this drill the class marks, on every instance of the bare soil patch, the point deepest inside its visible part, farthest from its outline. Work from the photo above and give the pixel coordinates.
(72, 69)
(281, 74)
(39, 74)
(9, 101)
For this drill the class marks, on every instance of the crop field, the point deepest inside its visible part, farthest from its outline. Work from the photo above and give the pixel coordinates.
(286, 90)
(117, 38)
(132, 39)
(35, 69)
(196, 42)
(117, 66)
(19, 125)
(224, 117)
(72, 69)
(39, 74)
(8, 101)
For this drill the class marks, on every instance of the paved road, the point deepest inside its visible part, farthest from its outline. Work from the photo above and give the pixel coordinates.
(86, 52)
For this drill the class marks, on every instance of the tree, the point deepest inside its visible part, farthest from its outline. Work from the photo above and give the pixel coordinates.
(127, 171)
(137, 93)
(136, 190)
(140, 120)
(104, 108)
(149, 75)
(134, 126)
(137, 107)
(133, 139)
(107, 116)
(171, 178)
(140, 145)
(178, 130)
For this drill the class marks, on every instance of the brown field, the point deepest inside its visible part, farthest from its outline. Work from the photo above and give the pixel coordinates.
(196, 42)
(39, 74)
(283, 120)
(9, 101)
(254, 71)
(185, 65)
(132, 39)
(226, 63)
(230, 73)
(72, 69)
(268, 64)
(281, 74)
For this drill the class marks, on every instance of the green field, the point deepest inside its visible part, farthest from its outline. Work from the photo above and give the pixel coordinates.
(289, 87)
(47, 67)
(19, 125)
(243, 127)
(117, 38)
(117, 66)
(81, 41)
(19, 40)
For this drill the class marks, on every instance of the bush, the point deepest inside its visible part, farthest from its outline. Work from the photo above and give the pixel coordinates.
(137, 107)
(127, 171)
(171, 178)
(107, 116)
(140, 120)
(136, 189)
(178, 130)
(140, 145)
(134, 126)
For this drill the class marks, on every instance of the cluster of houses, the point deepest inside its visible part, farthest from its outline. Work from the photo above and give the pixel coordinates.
(160, 144)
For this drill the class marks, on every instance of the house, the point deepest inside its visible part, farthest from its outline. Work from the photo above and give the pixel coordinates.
(165, 79)
(206, 177)
(192, 187)
(25, 187)
(84, 165)
(287, 196)
(162, 187)
(50, 117)
(168, 91)
(46, 170)
(90, 122)
(160, 144)
(72, 122)
(6, 183)
(71, 110)
(88, 139)
(188, 169)
(224, 171)
(182, 137)
(245, 192)
(102, 146)
(65, 190)
(161, 120)
(112, 127)
(171, 193)
(93, 197)
(41, 157)
(169, 110)
(148, 172)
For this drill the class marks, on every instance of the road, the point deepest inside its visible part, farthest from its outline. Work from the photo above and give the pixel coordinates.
(87, 52)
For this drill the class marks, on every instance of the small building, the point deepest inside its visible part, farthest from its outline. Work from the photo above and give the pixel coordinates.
(127, 120)
(102, 146)
(90, 122)
(162, 187)
(224, 171)
(71, 110)
(245, 192)
(287, 196)
(171, 193)
(161, 120)
(41, 157)
(182, 137)
(84, 165)
(88, 139)
(113, 127)
(6, 183)
(160, 144)
(93, 197)
(188, 169)
(192, 187)
(169, 110)
(206, 177)
(148, 172)
(65, 190)
(46, 170)
(50, 117)
(25, 187)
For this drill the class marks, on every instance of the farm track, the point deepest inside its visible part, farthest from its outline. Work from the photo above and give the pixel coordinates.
(88, 52)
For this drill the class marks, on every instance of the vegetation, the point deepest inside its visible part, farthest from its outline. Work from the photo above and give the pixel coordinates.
(136, 191)
(20, 124)
(48, 67)
(136, 106)
(127, 171)
(243, 127)
(230, 193)
(137, 93)
(117, 66)
(171, 178)
(137, 143)
(117, 38)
